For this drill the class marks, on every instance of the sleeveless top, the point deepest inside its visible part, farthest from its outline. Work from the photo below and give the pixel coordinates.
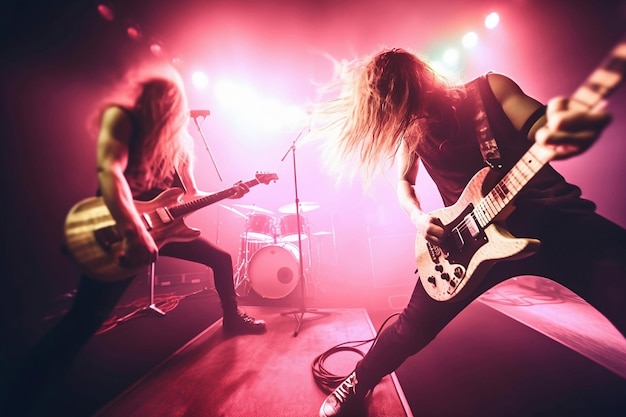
(451, 156)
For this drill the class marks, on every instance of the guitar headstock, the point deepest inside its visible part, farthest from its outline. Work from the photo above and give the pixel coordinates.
(603, 81)
(265, 178)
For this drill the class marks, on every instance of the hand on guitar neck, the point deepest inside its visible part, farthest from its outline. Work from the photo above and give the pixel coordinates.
(571, 128)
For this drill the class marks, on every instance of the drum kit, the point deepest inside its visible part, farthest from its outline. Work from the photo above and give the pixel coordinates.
(269, 258)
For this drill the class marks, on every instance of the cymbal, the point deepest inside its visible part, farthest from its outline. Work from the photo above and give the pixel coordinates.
(304, 207)
(234, 210)
(254, 208)
(322, 233)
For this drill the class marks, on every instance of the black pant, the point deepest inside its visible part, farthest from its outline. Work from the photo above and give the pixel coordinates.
(48, 362)
(585, 253)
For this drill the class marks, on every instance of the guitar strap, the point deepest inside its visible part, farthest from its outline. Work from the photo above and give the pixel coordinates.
(486, 142)
(177, 180)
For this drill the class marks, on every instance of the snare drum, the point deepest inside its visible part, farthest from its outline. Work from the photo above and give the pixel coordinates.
(288, 228)
(259, 227)
(273, 270)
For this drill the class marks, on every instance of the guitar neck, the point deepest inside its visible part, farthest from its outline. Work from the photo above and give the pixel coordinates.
(511, 184)
(184, 209)
(602, 82)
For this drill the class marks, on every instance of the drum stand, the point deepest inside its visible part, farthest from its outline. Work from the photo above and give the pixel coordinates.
(302, 309)
(241, 273)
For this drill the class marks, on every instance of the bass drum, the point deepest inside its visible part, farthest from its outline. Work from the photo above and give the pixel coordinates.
(273, 270)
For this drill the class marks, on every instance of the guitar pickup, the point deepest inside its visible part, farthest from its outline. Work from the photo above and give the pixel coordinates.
(147, 220)
(164, 215)
(472, 226)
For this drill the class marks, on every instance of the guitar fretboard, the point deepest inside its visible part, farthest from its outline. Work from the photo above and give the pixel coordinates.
(598, 86)
(183, 209)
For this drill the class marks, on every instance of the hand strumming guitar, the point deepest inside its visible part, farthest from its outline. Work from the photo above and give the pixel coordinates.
(431, 228)
(138, 249)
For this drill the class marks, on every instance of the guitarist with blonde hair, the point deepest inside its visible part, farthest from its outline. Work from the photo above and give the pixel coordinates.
(143, 148)
(393, 107)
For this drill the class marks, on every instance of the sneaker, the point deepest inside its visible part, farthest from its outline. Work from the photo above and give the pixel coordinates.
(344, 400)
(241, 323)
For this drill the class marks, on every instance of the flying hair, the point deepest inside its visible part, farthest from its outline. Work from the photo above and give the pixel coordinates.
(383, 99)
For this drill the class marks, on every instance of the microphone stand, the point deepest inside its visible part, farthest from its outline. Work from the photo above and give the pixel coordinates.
(206, 145)
(151, 307)
(204, 114)
(301, 310)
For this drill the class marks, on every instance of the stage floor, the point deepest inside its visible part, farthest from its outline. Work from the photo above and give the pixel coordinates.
(257, 375)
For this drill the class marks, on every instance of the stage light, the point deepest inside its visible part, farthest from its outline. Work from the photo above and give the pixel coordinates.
(492, 20)
(156, 48)
(439, 66)
(234, 95)
(199, 79)
(133, 31)
(451, 57)
(470, 40)
(106, 11)
(239, 102)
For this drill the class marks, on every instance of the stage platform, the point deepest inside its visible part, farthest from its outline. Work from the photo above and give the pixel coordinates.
(257, 375)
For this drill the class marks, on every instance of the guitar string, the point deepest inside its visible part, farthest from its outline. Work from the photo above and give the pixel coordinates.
(498, 198)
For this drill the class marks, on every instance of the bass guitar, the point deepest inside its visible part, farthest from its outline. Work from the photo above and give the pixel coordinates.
(475, 236)
(94, 242)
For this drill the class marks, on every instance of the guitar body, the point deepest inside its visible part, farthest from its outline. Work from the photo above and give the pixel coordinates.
(469, 249)
(94, 242)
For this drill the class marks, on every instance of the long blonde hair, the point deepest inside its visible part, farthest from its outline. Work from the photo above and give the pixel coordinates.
(162, 114)
(383, 99)
(154, 94)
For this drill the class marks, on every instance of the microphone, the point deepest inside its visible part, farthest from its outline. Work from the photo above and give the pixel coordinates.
(199, 113)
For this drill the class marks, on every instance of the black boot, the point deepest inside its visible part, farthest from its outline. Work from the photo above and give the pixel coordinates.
(240, 323)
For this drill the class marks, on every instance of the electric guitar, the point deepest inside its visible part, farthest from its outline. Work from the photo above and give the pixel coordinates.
(94, 242)
(475, 237)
